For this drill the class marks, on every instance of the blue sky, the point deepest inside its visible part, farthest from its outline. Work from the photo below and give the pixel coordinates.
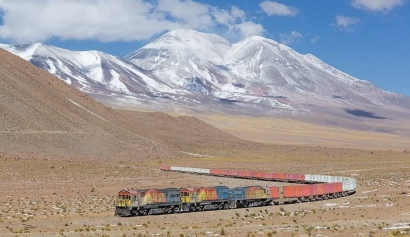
(368, 39)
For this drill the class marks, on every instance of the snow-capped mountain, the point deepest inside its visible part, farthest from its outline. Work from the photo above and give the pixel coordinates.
(90, 71)
(255, 70)
(192, 70)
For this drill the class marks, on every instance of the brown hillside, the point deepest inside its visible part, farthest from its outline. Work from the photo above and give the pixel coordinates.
(42, 116)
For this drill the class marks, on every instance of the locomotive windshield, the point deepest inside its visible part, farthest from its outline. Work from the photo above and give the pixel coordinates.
(124, 197)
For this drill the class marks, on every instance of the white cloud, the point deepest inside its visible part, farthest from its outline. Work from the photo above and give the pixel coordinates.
(247, 29)
(238, 13)
(377, 5)
(278, 9)
(344, 22)
(113, 20)
(314, 39)
(289, 38)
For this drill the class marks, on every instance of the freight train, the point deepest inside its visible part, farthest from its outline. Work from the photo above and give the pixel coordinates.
(136, 202)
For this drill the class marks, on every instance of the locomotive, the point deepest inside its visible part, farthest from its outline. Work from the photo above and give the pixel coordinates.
(172, 200)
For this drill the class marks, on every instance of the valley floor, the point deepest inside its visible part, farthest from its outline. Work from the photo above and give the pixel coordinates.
(299, 132)
(70, 197)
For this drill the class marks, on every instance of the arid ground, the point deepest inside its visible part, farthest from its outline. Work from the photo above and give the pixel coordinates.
(64, 157)
(43, 197)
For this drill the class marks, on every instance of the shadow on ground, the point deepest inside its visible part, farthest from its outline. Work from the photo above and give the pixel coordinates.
(363, 113)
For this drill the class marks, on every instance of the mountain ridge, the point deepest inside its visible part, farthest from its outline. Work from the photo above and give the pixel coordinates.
(186, 70)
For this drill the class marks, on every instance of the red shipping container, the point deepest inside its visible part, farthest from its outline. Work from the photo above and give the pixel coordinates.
(299, 177)
(288, 191)
(338, 187)
(260, 174)
(274, 192)
(320, 189)
(306, 190)
(275, 176)
(267, 175)
(281, 176)
(214, 171)
(290, 176)
(298, 191)
(253, 174)
(313, 189)
(165, 167)
(241, 173)
(329, 188)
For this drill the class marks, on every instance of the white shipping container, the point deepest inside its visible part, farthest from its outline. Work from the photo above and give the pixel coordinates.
(322, 178)
(328, 179)
(349, 184)
(206, 171)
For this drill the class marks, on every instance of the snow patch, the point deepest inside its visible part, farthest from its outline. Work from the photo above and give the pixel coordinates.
(91, 112)
(116, 84)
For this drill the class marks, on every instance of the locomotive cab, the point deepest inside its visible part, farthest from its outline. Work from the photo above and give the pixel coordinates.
(189, 195)
(126, 200)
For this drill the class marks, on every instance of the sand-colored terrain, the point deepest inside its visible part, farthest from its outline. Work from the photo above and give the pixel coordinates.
(64, 157)
(297, 131)
(75, 198)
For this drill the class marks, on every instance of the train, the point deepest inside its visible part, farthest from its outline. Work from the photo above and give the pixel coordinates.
(141, 202)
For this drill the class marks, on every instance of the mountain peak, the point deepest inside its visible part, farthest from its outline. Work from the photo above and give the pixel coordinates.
(184, 32)
(184, 36)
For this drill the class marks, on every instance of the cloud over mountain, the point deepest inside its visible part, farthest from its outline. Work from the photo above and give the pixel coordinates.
(115, 20)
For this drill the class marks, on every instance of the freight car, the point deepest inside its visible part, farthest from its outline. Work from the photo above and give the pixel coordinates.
(172, 200)
(317, 187)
